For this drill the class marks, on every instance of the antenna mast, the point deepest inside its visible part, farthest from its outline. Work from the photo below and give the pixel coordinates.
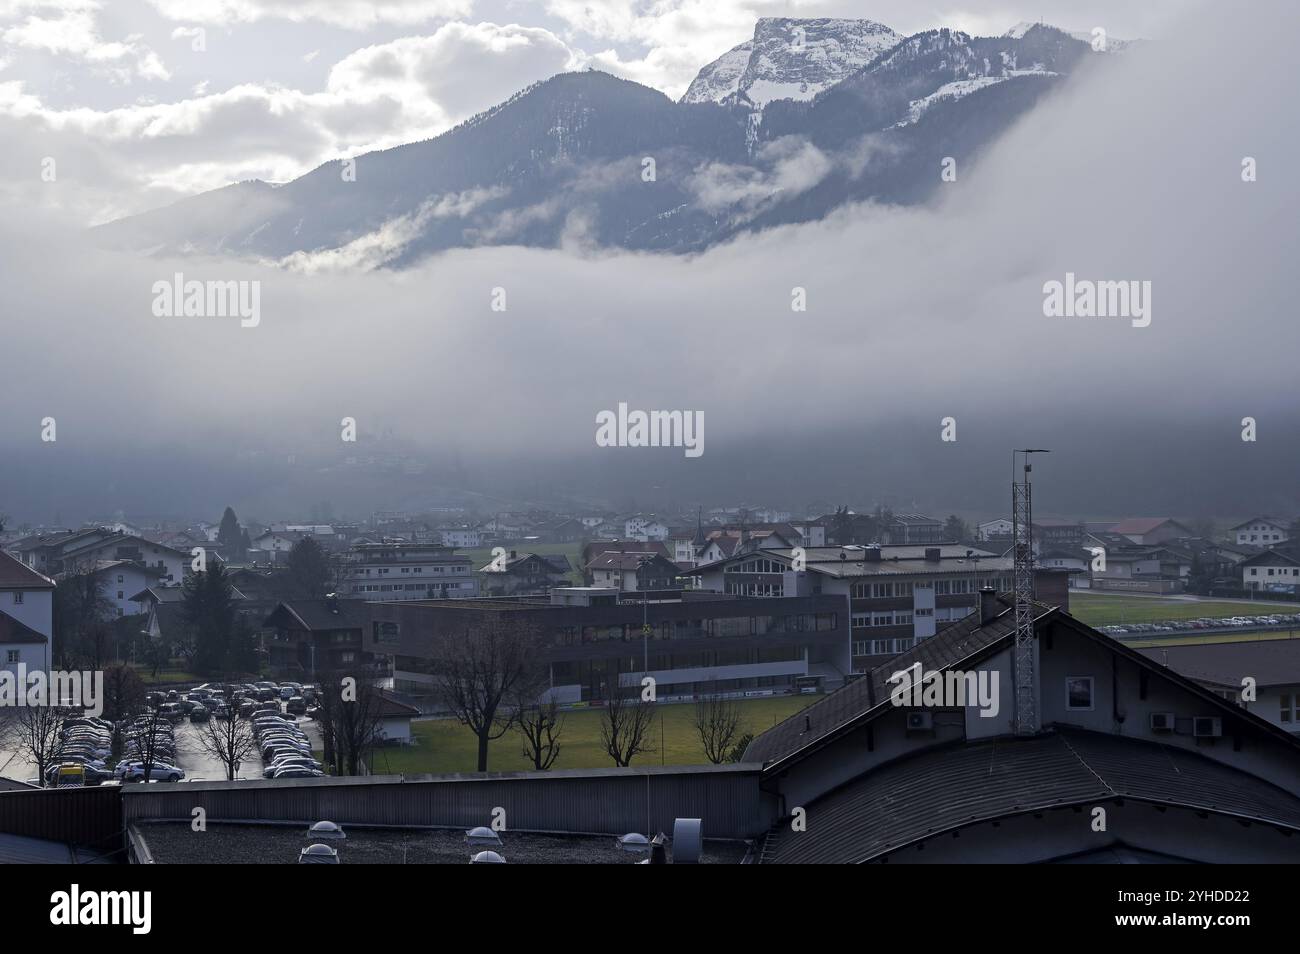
(1022, 536)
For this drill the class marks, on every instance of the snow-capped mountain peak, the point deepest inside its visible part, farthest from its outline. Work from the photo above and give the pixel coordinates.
(790, 59)
(1113, 44)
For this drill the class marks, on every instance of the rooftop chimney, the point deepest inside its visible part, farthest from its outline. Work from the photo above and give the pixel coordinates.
(989, 605)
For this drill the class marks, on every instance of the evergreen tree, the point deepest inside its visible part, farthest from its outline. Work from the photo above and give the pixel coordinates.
(228, 534)
(209, 608)
(309, 568)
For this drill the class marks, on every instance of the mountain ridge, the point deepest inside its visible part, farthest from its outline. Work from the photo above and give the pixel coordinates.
(618, 164)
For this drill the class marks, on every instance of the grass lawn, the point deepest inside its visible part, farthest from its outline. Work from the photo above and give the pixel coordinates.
(442, 745)
(1098, 610)
(483, 555)
(165, 676)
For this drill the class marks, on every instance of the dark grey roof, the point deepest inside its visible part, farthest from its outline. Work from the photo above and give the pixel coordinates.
(855, 701)
(965, 642)
(21, 850)
(944, 789)
(1270, 662)
(13, 631)
(319, 615)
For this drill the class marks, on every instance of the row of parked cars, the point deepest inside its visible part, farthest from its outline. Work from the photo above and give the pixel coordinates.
(210, 701)
(143, 737)
(1205, 622)
(285, 748)
(86, 743)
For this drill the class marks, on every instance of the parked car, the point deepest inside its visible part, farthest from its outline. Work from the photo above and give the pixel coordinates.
(297, 772)
(93, 774)
(171, 711)
(296, 704)
(200, 714)
(133, 771)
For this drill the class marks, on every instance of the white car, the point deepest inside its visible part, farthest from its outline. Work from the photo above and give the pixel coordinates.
(161, 771)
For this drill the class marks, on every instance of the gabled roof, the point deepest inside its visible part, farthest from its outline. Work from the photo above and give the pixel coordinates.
(13, 632)
(868, 696)
(390, 708)
(627, 561)
(15, 575)
(1271, 521)
(1141, 525)
(946, 788)
(320, 615)
(958, 646)
(1285, 554)
(557, 563)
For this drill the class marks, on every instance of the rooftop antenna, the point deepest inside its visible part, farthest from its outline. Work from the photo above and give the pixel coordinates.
(1022, 536)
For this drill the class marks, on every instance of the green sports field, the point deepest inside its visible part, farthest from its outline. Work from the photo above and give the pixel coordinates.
(443, 746)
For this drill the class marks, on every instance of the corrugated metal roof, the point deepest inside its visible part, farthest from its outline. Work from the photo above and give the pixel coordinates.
(944, 789)
(21, 850)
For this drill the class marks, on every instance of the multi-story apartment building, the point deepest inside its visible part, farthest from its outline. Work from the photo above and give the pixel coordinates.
(407, 571)
(896, 595)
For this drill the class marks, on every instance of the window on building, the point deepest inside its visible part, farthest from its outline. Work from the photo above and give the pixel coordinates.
(18, 596)
(1078, 693)
(1288, 706)
(11, 656)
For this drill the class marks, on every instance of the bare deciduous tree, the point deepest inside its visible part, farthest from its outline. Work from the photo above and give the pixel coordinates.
(625, 726)
(717, 720)
(540, 726)
(349, 715)
(228, 739)
(480, 670)
(37, 733)
(152, 731)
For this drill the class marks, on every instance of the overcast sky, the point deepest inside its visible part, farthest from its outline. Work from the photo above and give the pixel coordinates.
(1127, 173)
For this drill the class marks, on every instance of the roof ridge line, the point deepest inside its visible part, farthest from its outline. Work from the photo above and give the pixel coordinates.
(1084, 762)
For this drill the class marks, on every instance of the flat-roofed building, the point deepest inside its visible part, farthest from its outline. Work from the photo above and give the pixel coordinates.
(407, 571)
(594, 640)
(896, 595)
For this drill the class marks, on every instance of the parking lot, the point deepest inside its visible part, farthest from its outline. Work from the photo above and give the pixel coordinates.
(181, 745)
(198, 765)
